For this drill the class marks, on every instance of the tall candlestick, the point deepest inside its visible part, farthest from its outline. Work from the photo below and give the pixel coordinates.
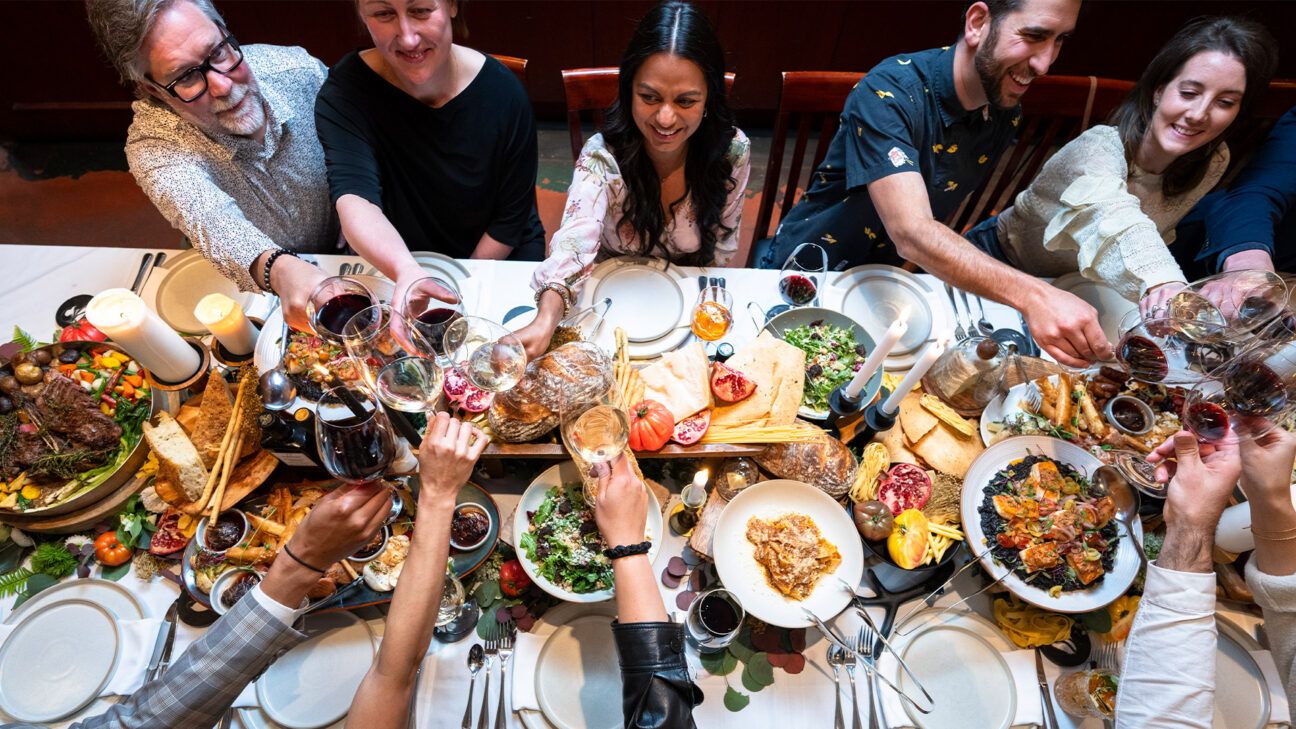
(694, 495)
(137, 329)
(878, 355)
(924, 363)
(224, 318)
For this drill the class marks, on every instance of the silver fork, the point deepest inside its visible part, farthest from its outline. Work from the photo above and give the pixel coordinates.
(850, 671)
(864, 642)
(505, 652)
(1105, 656)
(837, 659)
(959, 332)
(492, 650)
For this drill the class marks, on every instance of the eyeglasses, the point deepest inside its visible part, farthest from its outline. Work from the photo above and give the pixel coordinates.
(192, 83)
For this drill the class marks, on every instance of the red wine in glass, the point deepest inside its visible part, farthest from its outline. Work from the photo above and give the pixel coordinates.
(356, 449)
(798, 289)
(718, 615)
(1254, 389)
(433, 324)
(1208, 421)
(332, 317)
(1144, 358)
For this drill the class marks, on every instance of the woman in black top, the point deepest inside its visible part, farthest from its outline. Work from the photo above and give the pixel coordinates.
(429, 145)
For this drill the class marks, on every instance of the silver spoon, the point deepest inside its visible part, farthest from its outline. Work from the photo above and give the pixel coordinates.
(277, 389)
(983, 323)
(1125, 499)
(476, 656)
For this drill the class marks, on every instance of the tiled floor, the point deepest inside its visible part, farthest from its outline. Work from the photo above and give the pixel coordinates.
(81, 193)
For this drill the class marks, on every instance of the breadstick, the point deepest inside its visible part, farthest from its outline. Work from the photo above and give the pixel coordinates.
(230, 429)
(225, 476)
(350, 570)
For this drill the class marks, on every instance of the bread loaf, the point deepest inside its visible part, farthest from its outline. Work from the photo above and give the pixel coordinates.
(181, 475)
(573, 376)
(825, 462)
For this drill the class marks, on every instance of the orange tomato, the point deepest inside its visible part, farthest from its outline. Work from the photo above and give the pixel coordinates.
(110, 551)
(908, 541)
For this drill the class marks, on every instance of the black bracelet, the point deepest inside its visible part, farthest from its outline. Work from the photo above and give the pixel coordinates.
(299, 561)
(270, 262)
(627, 550)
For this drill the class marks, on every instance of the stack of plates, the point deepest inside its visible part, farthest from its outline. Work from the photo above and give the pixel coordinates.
(875, 295)
(648, 302)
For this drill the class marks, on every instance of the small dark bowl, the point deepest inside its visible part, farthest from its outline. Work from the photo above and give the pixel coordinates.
(470, 507)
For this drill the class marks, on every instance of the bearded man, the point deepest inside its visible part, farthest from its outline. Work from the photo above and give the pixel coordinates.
(918, 134)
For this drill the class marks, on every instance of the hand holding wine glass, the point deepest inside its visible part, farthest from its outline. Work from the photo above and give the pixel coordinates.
(621, 511)
(334, 302)
(394, 360)
(488, 354)
(430, 305)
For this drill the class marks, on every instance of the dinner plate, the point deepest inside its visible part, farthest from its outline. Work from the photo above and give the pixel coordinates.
(311, 686)
(105, 593)
(969, 681)
(442, 266)
(254, 718)
(1241, 692)
(997, 457)
(647, 302)
(875, 295)
(1111, 306)
(57, 660)
(187, 278)
(576, 674)
(556, 475)
(556, 616)
(745, 577)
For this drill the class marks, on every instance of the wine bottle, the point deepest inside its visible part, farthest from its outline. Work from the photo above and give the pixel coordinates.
(291, 438)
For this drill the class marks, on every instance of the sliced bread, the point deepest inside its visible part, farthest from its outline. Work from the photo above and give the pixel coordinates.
(180, 468)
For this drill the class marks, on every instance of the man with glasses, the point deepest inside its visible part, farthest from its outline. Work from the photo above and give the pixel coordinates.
(223, 141)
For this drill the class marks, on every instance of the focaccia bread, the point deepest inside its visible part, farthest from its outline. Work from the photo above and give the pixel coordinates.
(825, 462)
(574, 376)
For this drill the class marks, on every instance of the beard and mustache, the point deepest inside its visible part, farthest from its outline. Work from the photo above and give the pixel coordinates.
(990, 70)
(251, 118)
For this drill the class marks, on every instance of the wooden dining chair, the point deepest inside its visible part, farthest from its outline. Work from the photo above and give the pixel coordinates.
(514, 64)
(593, 90)
(1055, 111)
(808, 101)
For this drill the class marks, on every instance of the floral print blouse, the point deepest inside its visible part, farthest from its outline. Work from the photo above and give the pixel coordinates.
(595, 204)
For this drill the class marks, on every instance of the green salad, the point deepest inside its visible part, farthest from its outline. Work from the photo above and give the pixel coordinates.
(832, 357)
(564, 544)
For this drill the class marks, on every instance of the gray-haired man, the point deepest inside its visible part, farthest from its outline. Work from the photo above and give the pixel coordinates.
(223, 140)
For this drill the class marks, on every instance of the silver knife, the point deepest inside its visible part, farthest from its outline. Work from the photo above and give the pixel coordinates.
(1046, 697)
(143, 269)
(166, 638)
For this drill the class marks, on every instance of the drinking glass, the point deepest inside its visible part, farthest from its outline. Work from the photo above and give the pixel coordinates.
(802, 275)
(1164, 351)
(452, 599)
(333, 303)
(485, 352)
(355, 439)
(714, 619)
(713, 313)
(592, 427)
(1088, 693)
(425, 308)
(1236, 302)
(394, 360)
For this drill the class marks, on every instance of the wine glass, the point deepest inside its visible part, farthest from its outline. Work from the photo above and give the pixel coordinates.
(1163, 350)
(1245, 400)
(713, 313)
(592, 427)
(802, 276)
(1236, 302)
(425, 308)
(396, 362)
(354, 438)
(489, 355)
(714, 619)
(452, 599)
(333, 303)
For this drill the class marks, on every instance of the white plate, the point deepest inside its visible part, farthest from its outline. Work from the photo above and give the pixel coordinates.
(1241, 693)
(559, 615)
(996, 458)
(969, 681)
(576, 674)
(443, 267)
(187, 278)
(875, 294)
(57, 660)
(745, 577)
(556, 475)
(646, 301)
(1003, 406)
(1111, 306)
(312, 685)
(257, 719)
(107, 594)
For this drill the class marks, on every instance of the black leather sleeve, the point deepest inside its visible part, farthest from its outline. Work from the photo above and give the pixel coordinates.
(657, 692)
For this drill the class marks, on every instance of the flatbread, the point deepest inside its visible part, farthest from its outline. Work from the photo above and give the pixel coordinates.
(945, 450)
(898, 450)
(778, 369)
(680, 380)
(916, 420)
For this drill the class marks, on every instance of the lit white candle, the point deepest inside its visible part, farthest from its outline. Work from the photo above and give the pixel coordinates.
(136, 329)
(694, 495)
(910, 381)
(878, 355)
(224, 318)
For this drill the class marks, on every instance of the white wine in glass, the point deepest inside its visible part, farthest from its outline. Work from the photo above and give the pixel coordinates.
(452, 600)
(410, 384)
(599, 434)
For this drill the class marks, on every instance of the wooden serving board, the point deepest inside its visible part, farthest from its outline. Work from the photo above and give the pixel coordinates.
(556, 451)
(86, 518)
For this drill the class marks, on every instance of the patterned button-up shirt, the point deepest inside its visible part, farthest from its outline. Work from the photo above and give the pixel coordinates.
(233, 197)
(903, 116)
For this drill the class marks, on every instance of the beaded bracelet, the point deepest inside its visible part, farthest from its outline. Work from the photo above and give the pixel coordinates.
(270, 262)
(564, 292)
(627, 550)
(299, 561)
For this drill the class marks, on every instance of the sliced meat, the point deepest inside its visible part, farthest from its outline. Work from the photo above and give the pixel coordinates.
(29, 448)
(66, 408)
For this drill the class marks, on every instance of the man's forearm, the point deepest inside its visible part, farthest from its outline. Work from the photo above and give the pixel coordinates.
(1187, 549)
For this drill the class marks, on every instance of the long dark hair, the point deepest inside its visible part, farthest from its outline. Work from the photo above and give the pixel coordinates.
(680, 29)
(1245, 40)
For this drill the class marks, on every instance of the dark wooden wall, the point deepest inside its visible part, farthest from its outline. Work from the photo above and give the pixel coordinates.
(55, 85)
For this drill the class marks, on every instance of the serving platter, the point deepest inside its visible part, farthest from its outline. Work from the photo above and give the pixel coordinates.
(994, 459)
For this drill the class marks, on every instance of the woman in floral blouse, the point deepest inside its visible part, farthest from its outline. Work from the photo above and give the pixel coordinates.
(665, 177)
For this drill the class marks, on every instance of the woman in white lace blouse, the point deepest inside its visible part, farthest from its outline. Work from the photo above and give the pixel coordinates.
(665, 177)
(1107, 203)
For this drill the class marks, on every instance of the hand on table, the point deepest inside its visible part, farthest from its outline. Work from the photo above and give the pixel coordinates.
(1249, 260)
(1155, 303)
(1067, 328)
(621, 511)
(293, 280)
(450, 449)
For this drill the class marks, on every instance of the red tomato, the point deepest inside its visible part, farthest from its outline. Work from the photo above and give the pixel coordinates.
(111, 552)
(651, 425)
(82, 331)
(513, 579)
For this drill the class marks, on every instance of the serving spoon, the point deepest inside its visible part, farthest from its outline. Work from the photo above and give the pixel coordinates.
(1126, 501)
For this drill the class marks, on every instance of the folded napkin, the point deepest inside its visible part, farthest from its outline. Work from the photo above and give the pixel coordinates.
(1020, 663)
(526, 651)
(137, 638)
(1279, 709)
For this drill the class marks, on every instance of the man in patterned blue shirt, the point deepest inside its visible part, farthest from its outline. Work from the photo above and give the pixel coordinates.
(918, 134)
